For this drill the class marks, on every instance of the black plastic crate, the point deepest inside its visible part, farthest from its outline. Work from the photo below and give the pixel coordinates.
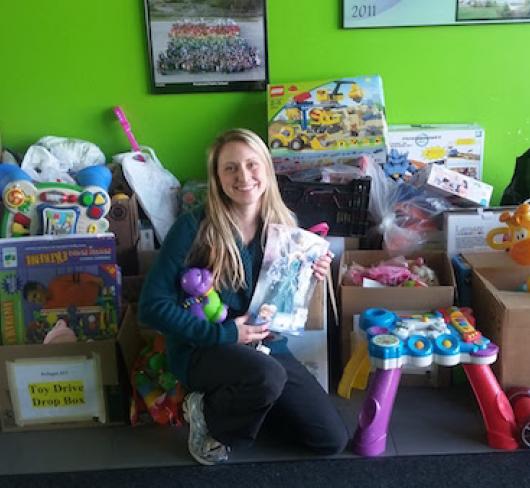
(343, 206)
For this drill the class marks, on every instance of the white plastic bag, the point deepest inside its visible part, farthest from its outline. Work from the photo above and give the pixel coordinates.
(58, 159)
(405, 216)
(156, 188)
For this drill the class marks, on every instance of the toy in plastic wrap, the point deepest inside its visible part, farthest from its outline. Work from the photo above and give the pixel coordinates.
(204, 302)
(448, 338)
(154, 389)
(515, 235)
(317, 124)
(407, 218)
(54, 208)
(193, 195)
(149, 180)
(286, 282)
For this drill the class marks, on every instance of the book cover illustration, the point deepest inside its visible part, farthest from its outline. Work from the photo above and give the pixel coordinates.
(286, 282)
(58, 288)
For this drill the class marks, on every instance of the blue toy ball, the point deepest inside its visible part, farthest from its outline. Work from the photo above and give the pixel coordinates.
(98, 175)
(9, 173)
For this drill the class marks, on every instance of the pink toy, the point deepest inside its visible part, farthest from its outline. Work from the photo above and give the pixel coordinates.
(60, 333)
(447, 338)
(118, 111)
(519, 397)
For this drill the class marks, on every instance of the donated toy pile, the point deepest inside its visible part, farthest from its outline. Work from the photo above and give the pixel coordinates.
(74, 225)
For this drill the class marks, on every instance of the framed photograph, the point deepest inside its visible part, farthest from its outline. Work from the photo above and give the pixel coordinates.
(206, 45)
(402, 13)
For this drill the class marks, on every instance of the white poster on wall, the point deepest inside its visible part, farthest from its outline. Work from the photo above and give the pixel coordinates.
(61, 389)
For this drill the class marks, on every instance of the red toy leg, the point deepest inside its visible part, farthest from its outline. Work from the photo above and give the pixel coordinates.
(496, 410)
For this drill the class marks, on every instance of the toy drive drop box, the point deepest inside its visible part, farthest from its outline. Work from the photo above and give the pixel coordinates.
(47, 278)
(324, 123)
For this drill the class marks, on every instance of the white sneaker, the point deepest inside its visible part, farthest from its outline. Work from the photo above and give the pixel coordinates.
(201, 445)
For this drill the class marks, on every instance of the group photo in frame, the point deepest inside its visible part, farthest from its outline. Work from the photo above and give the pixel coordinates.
(405, 13)
(206, 45)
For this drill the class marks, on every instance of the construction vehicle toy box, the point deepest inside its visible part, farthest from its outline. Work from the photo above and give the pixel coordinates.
(316, 124)
(58, 288)
(459, 147)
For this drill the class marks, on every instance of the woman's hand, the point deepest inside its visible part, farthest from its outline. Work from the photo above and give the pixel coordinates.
(321, 266)
(247, 333)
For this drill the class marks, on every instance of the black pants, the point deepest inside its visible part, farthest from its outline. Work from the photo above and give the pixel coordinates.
(244, 388)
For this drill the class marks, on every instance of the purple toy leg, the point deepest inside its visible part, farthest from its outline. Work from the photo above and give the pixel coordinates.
(371, 434)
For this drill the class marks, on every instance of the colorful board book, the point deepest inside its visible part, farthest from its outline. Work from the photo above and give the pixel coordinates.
(325, 123)
(44, 279)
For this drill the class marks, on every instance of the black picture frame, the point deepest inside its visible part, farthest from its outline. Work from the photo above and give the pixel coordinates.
(206, 45)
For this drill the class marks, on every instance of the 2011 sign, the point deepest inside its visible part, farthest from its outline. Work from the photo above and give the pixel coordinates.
(402, 13)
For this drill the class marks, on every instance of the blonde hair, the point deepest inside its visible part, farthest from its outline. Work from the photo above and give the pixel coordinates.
(215, 245)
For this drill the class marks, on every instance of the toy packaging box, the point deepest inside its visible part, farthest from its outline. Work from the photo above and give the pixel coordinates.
(459, 147)
(59, 288)
(463, 191)
(285, 282)
(325, 123)
(465, 230)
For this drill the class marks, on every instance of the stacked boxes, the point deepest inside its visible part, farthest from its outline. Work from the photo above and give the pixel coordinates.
(324, 123)
(457, 147)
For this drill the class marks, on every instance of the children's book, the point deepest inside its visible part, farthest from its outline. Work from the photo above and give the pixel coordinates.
(286, 282)
(58, 288)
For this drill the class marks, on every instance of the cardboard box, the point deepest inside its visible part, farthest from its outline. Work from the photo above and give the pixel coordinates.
(354, 299)
(462, 190)
(113, 387)
(465, 230)
(459, 147)
(502, 316)
(123, 222)
(321, 123)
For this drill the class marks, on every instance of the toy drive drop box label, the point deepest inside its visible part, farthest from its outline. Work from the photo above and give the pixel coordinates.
(286, 282)
(44, 279)
(316, 124)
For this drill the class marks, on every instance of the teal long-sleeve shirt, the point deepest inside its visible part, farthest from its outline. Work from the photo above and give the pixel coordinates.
(161, 300)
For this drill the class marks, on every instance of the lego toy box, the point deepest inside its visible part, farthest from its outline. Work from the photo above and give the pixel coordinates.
(457, 147)
(502, 313)
(58, 288)
(462, 190)
(325, 123)
(355, 299)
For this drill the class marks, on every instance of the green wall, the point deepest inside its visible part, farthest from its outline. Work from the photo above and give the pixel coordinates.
(65, 63)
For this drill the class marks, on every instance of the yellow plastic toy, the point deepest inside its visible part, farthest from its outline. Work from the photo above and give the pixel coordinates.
(357, 370)
(515, 235)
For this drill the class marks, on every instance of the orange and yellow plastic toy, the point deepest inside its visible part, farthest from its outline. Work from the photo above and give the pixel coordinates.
(515, 235)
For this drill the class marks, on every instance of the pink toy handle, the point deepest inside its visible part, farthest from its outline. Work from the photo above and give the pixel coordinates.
(118, 111)
(322, 229)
